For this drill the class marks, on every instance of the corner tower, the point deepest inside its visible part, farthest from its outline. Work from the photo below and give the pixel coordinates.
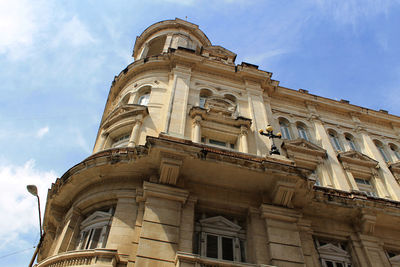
(180, 175)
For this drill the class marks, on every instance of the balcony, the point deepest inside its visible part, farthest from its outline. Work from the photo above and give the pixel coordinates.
(193, 260)
(92, 257)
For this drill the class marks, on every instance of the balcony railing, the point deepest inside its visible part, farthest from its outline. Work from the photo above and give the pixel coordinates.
(92, 257)
(193, 260)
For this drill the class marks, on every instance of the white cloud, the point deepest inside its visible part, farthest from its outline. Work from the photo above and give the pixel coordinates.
(73, 32)
(258, 59)
(42, 131)
(351, 11)
(17, 206)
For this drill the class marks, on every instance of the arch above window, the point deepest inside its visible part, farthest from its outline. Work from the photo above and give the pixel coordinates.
(395, 151)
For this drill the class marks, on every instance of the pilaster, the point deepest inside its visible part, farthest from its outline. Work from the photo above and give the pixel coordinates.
(177, 113)
(283, 236)
(160, 233)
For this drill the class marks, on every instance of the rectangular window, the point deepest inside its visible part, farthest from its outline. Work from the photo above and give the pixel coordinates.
(212, 246)
(365, 186)
(219, 143)
(227, 248)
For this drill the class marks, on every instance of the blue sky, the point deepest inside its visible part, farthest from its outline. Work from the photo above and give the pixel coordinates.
(58, 59)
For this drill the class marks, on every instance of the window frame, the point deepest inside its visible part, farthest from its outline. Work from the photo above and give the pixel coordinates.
(122, 141)
(143, 99)
(365, 185)
(302, 131)
(350, 141)
(395, 151)
(336, 253)
(333, 137)
(382, 151)
(99, 221)
(284, 126)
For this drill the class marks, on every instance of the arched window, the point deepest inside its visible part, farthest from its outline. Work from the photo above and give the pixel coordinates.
(302, 130)
(335, 140)
(121, 141)
(395, 150)
(204, 94)
(350, 140)
(144, 99)
(284, 125)
(379, 145)
(94, 229)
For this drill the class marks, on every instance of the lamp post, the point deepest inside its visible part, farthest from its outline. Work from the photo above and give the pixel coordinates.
(270, 134)
(33, 190)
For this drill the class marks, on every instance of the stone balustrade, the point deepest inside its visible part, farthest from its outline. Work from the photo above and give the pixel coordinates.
(92, 257)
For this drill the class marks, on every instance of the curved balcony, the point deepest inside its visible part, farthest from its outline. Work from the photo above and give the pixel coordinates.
(92, 257)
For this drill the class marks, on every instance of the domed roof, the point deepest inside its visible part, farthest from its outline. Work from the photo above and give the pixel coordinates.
(177, 25)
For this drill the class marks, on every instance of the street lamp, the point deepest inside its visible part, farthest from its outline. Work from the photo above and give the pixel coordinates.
(270, 134)
(33, 190)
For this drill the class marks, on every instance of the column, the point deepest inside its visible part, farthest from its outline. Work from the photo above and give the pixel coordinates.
(69, 233)
(133, 139)
(307, 243)
(259, 117)
(257, 238)
(123, 226)
(283, 236)
(167, 43)
(177, 112)
(100, 142)
(243, 139)
(160, 235)
(187, 226)
(337, 174)
(197, 129)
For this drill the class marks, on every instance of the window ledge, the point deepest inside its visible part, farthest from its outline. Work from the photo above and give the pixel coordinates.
(188, 258)
(82, 257)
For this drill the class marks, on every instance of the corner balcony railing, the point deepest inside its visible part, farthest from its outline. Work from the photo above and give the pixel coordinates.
(193, 260)
(92, 257)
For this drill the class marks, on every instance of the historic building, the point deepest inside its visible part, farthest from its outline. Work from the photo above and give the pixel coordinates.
(182, 176)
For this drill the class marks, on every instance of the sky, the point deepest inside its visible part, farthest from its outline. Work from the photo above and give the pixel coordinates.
(58, 59)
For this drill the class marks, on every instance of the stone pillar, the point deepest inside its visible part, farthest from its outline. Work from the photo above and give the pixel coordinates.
(187, 226)
(370, 250)
(257, 251)
(336, 171)
(167, 44)
(324, 176)
(159, 237)
(258, 116)
(100, 142)
(133, 139)
(307, 243)
(177, 112)
(243, 139)
(67, 238)
(283, 236)
(197, 129)
(123, 225)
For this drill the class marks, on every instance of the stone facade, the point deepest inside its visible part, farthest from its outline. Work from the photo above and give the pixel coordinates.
(181, 177)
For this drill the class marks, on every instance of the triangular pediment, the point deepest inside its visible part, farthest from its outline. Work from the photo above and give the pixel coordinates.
(302, 145)
(330, 249)
(97, 216)
(357, 158)
(395, 259)
(219, 222)
(395, 166)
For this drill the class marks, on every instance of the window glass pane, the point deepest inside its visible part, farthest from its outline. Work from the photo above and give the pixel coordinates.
(335, 142)
(144, 99)
(339, 264)
(351, 143)
(302, 132)
(329, 264)
(83, 240)
(212, 246)
(95, 238)
(218, 143)
(227, 248)
(382, 151)
(202, 102)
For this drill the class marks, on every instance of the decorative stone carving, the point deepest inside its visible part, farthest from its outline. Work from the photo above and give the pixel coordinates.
(304, 153)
